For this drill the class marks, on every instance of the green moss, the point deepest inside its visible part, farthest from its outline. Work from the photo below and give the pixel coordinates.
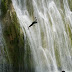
(57, 54)
(69, 33)
(68, 30)
(14, 39)
(70, 4)
(9, 1)
(4, 7)
(14, 48)
(57, 58)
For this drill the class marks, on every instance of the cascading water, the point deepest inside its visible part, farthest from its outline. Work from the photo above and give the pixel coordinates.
(50, 39)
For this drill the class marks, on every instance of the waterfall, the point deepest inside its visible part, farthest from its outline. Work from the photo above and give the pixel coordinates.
(50, 39)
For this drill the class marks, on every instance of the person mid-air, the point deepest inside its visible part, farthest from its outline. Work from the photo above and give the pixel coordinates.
(34, 22)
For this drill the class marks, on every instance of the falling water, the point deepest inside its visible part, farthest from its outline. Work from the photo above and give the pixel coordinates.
(50, 39)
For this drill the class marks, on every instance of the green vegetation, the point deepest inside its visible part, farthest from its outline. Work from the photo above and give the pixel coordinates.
(57, 55)
(12, 35)
(4, 6)
(15, 54)
(70, 4)
(14, 41)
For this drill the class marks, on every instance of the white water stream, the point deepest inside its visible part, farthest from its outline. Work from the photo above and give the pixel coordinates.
(50, 39)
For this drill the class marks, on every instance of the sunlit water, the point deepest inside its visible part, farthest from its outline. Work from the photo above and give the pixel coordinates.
(50, 39)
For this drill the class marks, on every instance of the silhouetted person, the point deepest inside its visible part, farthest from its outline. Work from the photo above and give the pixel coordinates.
(34, 22)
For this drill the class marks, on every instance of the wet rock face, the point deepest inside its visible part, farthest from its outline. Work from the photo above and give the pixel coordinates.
(13, 35)
(14, 52)
(5, 4)
(70, 4)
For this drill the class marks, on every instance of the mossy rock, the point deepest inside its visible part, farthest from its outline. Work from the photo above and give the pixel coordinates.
(4, 6)
(13, 37)
(70, 4)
